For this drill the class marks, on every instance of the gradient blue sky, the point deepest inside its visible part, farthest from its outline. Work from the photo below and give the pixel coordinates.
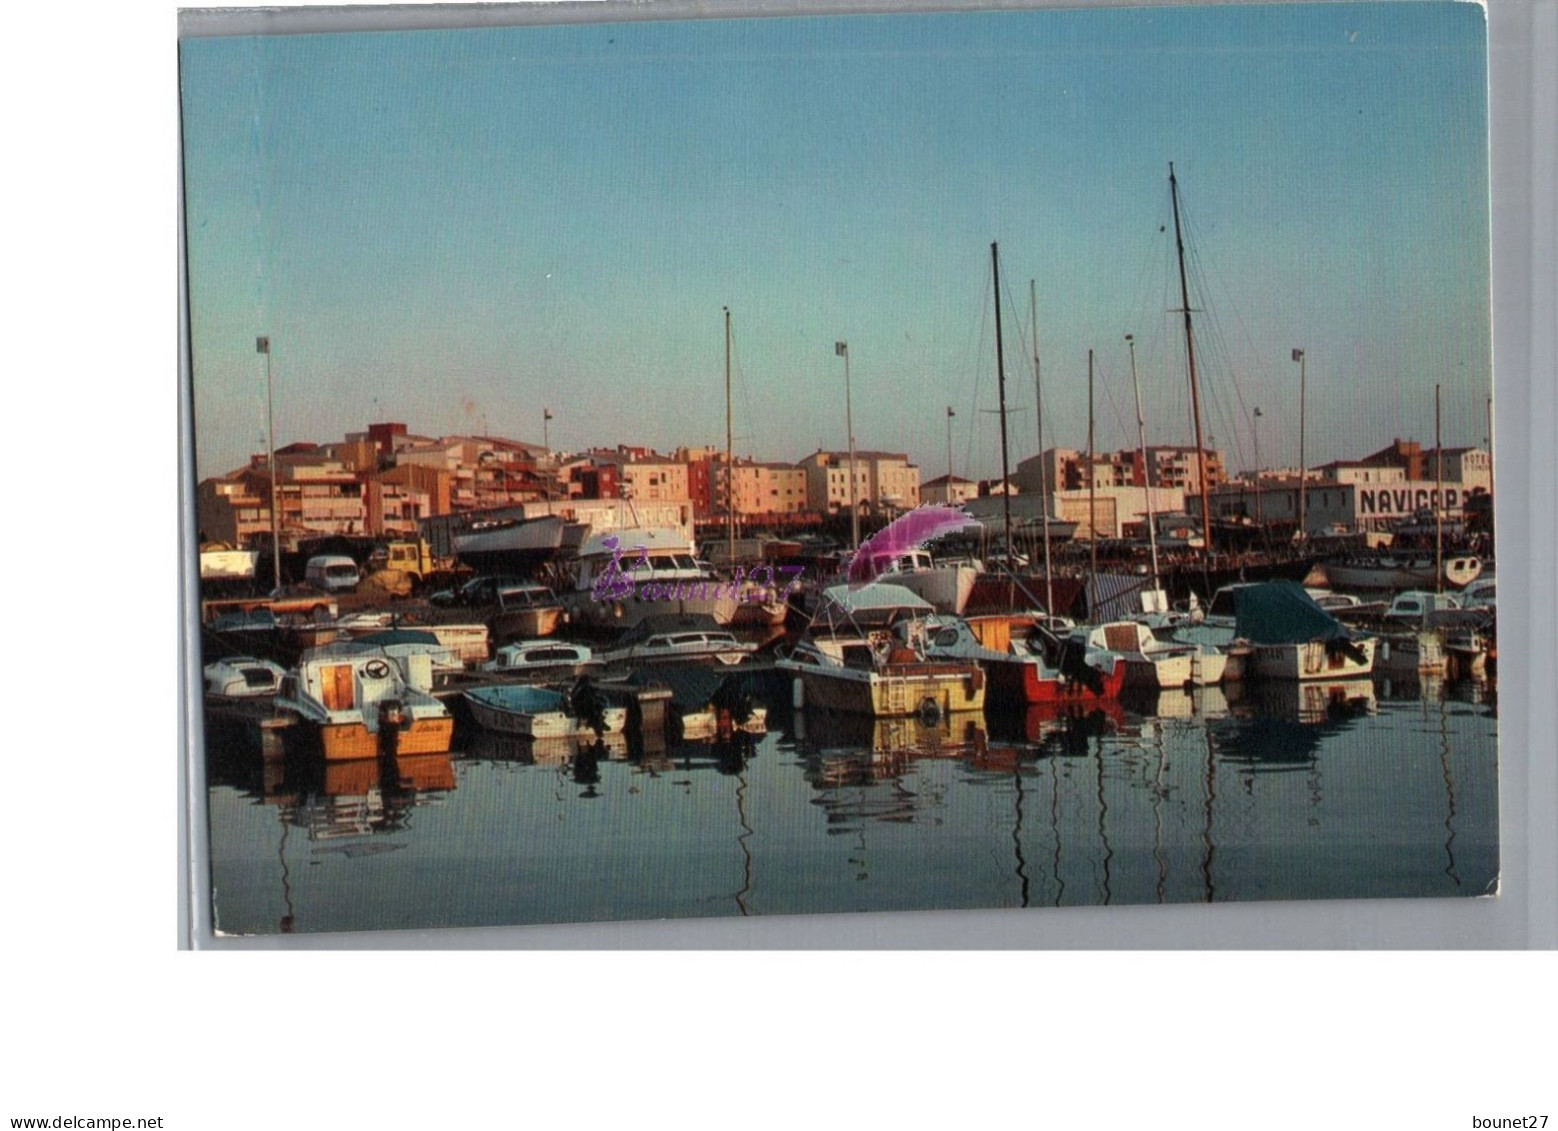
(454, 228)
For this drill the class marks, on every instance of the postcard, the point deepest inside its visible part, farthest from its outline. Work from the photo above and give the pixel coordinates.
(678, 468)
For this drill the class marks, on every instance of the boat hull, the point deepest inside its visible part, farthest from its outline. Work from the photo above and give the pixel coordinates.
(912, 690)
(1459, 571)
(1298, 662)
(526, 624)
(353, 741)
(540, 724)
(946, 587)
(1020, 683)
(1158, 673)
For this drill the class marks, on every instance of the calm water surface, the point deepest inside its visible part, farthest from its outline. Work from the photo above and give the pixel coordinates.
(1363, 789)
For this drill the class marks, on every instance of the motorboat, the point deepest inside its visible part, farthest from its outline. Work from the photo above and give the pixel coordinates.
(626, 575)
(705, 701)
(242, 677)
(1402, 571)
(353, 701)
(541, 712)
(680, 638)
(517, 545)
(1152, 663)
(945, 584)
(542, 658)
(1293, 638)
(864, 653)
(526, 612)
(1032, 669)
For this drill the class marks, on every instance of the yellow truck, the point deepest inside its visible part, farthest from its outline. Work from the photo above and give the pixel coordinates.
(401, 568)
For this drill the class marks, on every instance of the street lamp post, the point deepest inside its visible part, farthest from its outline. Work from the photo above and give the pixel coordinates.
(546, 443)
(950, 415)
(262, 345)
(841, 349)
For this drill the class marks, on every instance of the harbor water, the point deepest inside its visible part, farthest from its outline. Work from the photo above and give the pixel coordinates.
(1365, 789)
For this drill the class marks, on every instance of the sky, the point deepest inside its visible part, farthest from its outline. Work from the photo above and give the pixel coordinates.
(455, 229)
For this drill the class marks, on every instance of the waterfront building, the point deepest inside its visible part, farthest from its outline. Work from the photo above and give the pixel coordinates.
(948, 489)
(884, 482)
(1167, 466)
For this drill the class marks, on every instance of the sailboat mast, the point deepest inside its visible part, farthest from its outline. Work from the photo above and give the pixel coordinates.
(1438, 501)
(1038, 400)
(1092, 481)
(1000, 369)
(1195, 387)
(1141, 441)
(730, 463)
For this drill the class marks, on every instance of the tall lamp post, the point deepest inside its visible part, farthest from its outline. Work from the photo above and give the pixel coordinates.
(262, 345)
(546, 443)
(841, 349)
(950, 415)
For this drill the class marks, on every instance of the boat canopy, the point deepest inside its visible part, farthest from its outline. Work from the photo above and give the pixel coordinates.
(397, 636)
(878, 603)
(1282, 612)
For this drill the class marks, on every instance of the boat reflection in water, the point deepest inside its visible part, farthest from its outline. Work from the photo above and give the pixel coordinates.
(1323, 701)
(555, 751)
(839, 747)
(1333, 789)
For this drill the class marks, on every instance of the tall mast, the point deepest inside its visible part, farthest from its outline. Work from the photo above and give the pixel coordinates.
(1092, 481)
(1195, 387)
(1302, 358)
(1038, 399)
(730, 463)
(842, 350)
(950, 415)
(1438, 501)
(1141, 440)
(1000, 369)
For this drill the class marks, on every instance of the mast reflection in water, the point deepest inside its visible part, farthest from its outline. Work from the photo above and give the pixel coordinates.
(1352, 789)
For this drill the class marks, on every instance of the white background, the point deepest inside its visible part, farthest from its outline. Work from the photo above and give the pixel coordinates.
(103, 1016)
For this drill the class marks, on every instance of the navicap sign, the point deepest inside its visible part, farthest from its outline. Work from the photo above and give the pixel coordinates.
(1402, 499)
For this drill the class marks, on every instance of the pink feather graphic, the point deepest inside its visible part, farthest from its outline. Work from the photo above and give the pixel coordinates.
(907, 532)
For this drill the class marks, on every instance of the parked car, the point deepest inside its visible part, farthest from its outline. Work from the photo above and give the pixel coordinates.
(476, 592)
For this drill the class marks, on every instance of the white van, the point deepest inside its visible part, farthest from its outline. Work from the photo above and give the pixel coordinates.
(332, 572)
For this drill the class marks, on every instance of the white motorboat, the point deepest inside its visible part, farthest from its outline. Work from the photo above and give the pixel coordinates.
(626, 575)
(1292, 638)
(1398, 571)
(526, 612)
(242, 677)
(1152, 663)
(945, 584)
(663, 638)
(539, 712)
(864, 653)
(541, 658)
